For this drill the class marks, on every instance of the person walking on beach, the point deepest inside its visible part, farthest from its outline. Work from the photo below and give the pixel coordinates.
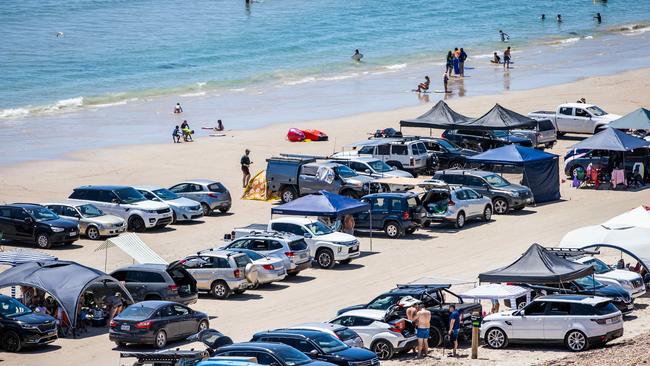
(178, 109)
(461, 61)
(422, 324)
(245, 163)
(422, 87)
(450, 63)
(445, 81)
(506, 58)
(598, 18)
(454, 327)
(176, 135)
(504, 36)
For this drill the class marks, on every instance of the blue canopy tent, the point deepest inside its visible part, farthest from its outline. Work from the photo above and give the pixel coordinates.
(636, 120)
(541, 170)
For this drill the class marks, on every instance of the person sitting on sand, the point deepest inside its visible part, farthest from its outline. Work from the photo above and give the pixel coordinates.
(357, 55)
(187, 131)
(422, 87)
(176, 135)
(178, 109)
(496, 59)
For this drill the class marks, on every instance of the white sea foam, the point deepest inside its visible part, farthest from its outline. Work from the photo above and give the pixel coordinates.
(395, 67)
(196, 94)
(309, 79)
(570, 40)
(237, 89)
(13, 112)
(65, 104)
(201, 84)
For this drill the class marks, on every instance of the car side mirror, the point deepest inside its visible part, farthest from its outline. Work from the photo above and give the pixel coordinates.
(307, 236)
(367, 171)
(313, 352)
(115, 200)
(29, 220)
(156, 199)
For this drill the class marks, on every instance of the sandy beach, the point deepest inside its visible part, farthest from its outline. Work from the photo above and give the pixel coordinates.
(316, 294)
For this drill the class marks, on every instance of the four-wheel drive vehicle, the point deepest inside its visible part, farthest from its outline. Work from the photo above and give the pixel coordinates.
(92, 221)
(576, 118)
(436, 299)
(36, 224)
(325, 245)
(127, 203)
(158, 282)
(319, 346)
(629, 280)
(504, 195)
(397, 214)
(269, 354)
(211, 194)
(20, 327)
(183, 209)
(577, 321)
(449, 154)
(580, 159)
(543, 135)
(455, 205)
(221, 272)
(371, 167)
(480, 140)
(291, 177)
(405, 154)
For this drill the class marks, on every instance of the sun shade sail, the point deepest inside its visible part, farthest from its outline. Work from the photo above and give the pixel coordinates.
(20, 256)
(512, 154)
(323, 204)
(494, 291)
(132, 245)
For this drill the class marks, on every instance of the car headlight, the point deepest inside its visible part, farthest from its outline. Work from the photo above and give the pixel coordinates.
(27, 326)
(150, 211)
(58, 229)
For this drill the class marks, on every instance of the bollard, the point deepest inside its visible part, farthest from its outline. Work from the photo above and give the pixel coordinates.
(476, 326)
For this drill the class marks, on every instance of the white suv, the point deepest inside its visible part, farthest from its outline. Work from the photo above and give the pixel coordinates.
(127, 203)
(411, 156)
(631, 281)
(577, 321)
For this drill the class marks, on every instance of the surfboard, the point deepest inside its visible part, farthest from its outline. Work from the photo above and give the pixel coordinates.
(217, 134)
(442, 91)
(416, 91)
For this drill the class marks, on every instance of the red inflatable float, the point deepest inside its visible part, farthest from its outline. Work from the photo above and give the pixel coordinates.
(296, 135)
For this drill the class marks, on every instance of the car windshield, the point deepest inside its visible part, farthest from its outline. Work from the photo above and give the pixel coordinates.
(41, 213)
(10, 307)
(383, 302)
(588, 283)
(345, 172)
(329, 343)
(165, 194)
(318, 228)
(291, 356)
(496, 180)
(596, 111)
(448, 145)
(379, 166)
(253, 255)
(501, 133)
(129, 195)
(599, 266)
(137, 311)
(89, 211)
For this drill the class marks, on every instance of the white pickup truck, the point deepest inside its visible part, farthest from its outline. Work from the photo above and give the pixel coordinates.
(325, 246)
(576, 118)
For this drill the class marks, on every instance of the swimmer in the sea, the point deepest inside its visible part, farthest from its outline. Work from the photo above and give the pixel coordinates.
(357, 55)
(598, 18)
(559, 18)
(504, 36)
(543, 17)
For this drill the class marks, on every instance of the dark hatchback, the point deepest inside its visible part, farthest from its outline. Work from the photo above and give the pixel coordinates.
(28, 222)
(276, 354)
(156, 323)
(449, 154)
(20, 327)
(396, 214)
(319, 346)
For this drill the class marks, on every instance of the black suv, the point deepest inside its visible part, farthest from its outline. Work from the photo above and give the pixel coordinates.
(395, 213)
(319, 346)
(276, 354)
(435, 297)
(20, 327)
(449, 154)
(484, 140)
(37, 224)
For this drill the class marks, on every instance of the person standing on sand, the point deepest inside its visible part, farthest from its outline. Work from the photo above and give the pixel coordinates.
(445, 81)
(461, 61)
(422, 323)
(450, 63)
(454, 326)
(178, 109)
(506, 58)
(245, 163)
(176, 135)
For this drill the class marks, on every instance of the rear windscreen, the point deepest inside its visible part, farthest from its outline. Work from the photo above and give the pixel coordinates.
(346, 334)
(545, 125)
(137, 311)
(605, 308)
(242, 261)
(216, 187)
(298, 245)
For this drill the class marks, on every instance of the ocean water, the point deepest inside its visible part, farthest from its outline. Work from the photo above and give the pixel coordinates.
(127, 51)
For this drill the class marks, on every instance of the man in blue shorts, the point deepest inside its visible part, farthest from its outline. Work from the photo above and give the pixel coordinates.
(454, 326)
(422, 325)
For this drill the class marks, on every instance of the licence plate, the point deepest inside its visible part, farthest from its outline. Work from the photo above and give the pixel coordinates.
(73, 233)
(125, 327)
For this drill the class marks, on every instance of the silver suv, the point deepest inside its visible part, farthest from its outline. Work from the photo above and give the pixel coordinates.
(183, 209)
(454, 204)
(211, 194)
(371, 167)
(222, 272)
(158, 282)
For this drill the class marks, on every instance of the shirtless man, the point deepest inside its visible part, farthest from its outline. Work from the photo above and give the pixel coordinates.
(422, 324)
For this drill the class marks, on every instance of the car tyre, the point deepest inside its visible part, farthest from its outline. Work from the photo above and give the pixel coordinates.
(456, 165)
(220, 290)
(460, 220)
(383, 349)
(325, 258)
(174, 218)
(288, 194)
(496, 338)
(43, 241)
(203, 325)
(435, 337)
(393, 229)
(500, 206)
(160, 339)
(487, 213)
(92, 233)
(136, 224)
(576, 341)
(238, 292)
(11, 341)
(207, 211)
(426, 224)
(350, 194)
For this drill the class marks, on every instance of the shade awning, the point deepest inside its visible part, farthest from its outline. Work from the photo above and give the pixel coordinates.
(494, 291)
(636, 120)
(500, 118)
(439, 116)
(132, 245)
(323, 204)
(611, 139)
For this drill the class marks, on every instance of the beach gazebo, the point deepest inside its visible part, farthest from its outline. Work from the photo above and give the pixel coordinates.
(639, 119)
(439, 116)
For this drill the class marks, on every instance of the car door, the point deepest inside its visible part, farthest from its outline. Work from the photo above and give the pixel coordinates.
(362, 219)
(475, 202)
(440, 151)
(360, 325)
(400, 153)
(23, 223)
(462, 200)
(530, 325)
(360, 167)
(133, 280)
(564, 120)
(379, 209)
(557, 320)
(477, 183)
(170, 322)
(582, 121)
(7, 226)
(259, 245)
(187, 324)
(200, 267)
(181, 189)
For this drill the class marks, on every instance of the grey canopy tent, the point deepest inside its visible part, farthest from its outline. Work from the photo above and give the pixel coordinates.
(65, 281)
(636, 120)
(439, 116)
(537, 265)
(499, 118)
(611, 139)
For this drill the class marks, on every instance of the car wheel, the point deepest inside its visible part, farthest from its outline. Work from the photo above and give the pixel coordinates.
(92, 232)
(576, 341)
(203, 325)
(288, 194)
(11, 341)
(460, 220)
(136, 223)
(174, 219)
(223, 210)
(487, 213)
(220, 290)
(455, 165)
(325, 258)
(559, 134)
(435, 337)
(500, 206)
(383, 349)
(496, 338)
(393, 230)
(426, 224)
(206, 209)
(160, 339)
(43, 241)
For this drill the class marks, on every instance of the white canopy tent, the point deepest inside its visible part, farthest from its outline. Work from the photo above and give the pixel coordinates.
(495, 291)
(132, 245)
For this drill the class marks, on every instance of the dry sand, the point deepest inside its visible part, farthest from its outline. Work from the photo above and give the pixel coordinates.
(316, 294)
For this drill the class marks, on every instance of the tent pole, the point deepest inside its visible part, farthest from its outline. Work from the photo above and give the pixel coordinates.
(105, 258)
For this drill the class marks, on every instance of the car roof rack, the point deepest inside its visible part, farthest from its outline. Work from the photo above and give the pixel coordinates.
(269, 233)
(423, 286)
(572, 252)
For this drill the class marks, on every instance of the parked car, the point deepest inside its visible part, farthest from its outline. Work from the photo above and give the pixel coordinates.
(450, 155)
(371, 167)
(576, 118)
(270, 354)
(455, 205)
(580, 159)
(32, 223)
(21, 328)
(127, 203)
(382, 333)
(542, 135)
(158, 282)
(435, 297)
(211, 194)
(482, 140)
(183, 209)
(155, 323)
(325, 245)
(345, 334)
(404, 154)
(292, 177)
(504, 195)
(397, 214)
(577, 321)
(269, 269)
(291, 249)
(92, 221)
(631, 281)
(319, 346)
(222, 272)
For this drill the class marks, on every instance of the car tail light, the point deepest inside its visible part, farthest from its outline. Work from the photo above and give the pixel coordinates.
(289, 254)
(268, 267)
(113, 324)
(599, 321)
(395, 329)
(213, 195)
(172, 287)
(237, 273)
(144, 325)
(450, 202)
(406, 215)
